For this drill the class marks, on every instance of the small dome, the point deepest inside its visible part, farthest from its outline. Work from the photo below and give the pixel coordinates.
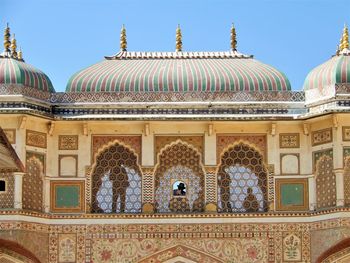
(14, 71)
(334, 71)
(178, 72)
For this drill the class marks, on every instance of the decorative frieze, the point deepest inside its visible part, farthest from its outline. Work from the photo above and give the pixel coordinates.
(36, 139)
(321, 136)
(68, 142)
(289, 140)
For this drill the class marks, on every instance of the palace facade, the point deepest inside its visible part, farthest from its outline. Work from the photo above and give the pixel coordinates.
(175, 157)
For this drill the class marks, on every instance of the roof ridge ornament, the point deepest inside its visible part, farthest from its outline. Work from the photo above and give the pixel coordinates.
(344, 42)
(14, 47)
(178, 47)
(123, 42)
(233, 38)
(7, 42)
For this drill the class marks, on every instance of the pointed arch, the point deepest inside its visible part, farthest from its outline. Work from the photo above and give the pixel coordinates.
(33, 182)
(336, 253)
(179, 162)
(116, 180)
(10, 250)
(180, 251)
(326, 195)
(242, 179)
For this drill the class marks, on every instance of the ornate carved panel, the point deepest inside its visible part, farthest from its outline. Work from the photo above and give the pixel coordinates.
(321, 136)
(68, 165)
(67, 196)
(67, 246)
(179, 162)
(36, 139)
(33, 183)
(160, 141)
(292, 194)
(68, 142)
(289, 163)
(116, 181)
(325, 183)
(7, 197)
(242, 180)
(289, 140)
(292, 247)
(134, 142)
(318, 154)
(346, 133)
(347, 179)
(225, 140)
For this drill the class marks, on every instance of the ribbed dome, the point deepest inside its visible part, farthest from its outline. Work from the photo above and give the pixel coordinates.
(13, 71)
(334, 71)
(178, 72)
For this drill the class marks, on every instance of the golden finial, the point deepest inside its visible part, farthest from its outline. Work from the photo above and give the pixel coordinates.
(345, 39)
(7, 36)
(123, 42)
(233, 38)
(20, 55)
(14, 47)
(178, 46)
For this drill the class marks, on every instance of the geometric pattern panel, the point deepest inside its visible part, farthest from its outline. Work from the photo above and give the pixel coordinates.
(161, 141)
(67, 196)
(242, 180)
(147, 183)
(210, 185)
(33, 184)
(289, 140)
(179, 179)
(68, 142)
(7, 197)
(325, 183)
(346, 155)
(321, 136)
(292, 194)
(133, 142)
(36, 139)
(116, 181)
(225, 140)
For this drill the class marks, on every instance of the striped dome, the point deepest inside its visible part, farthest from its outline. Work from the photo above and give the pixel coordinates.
(178, 72)
(334, 71)
(13, 71)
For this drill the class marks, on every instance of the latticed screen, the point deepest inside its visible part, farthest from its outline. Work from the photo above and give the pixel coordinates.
(116, 181)
(242, 180)
(33, 185)
(325, 183)
(7, 185)
(179, 163)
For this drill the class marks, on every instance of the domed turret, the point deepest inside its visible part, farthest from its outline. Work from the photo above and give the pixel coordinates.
(13, 69)
(320, 82)
(178, 71)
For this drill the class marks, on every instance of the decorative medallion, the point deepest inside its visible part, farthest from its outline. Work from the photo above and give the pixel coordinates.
(68, 142)
(36, 139)
(289, 140)
(321, 136)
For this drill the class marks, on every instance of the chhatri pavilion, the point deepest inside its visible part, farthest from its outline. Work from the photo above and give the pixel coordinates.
(175, 157)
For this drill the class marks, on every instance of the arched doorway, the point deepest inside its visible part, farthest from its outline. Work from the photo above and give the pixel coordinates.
(12, 252)
(339, 253)
(179, 179)
(242, 180)
(116, 181)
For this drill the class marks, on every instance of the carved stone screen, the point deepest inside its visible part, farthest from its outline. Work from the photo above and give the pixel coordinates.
(325, 183)
(179, 162)
(242, 180)
(116, 181)
(33, 185)
(7, 196)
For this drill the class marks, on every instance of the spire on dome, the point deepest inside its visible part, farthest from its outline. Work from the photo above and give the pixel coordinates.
(344, 45)
(233, 38)
(178, 47)
(20, 55)
(7, 36)
(14, 47)
(123, 42)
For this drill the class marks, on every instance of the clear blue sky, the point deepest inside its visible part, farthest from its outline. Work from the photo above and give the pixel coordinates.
(61, 37)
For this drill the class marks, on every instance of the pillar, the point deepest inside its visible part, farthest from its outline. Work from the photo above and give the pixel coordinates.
(339, 177)
(18, 189)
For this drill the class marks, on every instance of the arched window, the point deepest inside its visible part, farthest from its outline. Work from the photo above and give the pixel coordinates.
(116, 181)
(179, 180)
(33, 185)
(242, 180)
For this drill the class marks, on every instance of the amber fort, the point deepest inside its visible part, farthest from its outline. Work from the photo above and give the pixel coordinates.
(175, 157)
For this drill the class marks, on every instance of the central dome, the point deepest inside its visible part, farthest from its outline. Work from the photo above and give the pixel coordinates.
(178, 72)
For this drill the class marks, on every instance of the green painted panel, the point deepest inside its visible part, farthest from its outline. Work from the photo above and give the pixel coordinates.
(292, 194)
(67, 196)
